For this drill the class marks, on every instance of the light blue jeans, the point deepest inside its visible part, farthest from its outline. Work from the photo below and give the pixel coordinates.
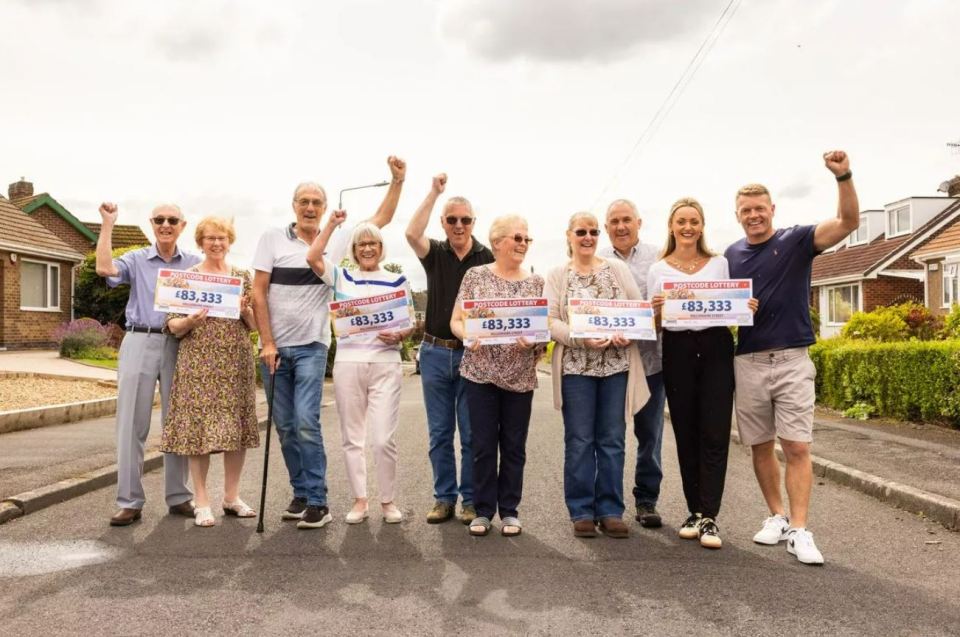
(444, 394)
(297, 392)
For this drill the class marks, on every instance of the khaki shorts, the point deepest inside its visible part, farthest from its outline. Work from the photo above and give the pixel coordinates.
(775, 395)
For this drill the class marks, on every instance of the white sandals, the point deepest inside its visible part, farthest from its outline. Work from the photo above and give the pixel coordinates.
(203, 516)
(238, 508)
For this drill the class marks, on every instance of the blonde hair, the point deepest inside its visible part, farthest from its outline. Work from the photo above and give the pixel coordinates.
(752, 190)
(574, 218)
(501, 226)
(671, 244)
(366, 230)
(215, 223)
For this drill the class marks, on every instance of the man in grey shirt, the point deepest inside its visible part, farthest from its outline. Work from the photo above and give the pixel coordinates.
(147, 355)
(623, 227)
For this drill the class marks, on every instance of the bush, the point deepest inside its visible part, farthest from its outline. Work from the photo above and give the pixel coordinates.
(915, 380)
(80, 337)
(922, 324)
(951, 324)
(815, 320)
(883, 324)
(93, 298)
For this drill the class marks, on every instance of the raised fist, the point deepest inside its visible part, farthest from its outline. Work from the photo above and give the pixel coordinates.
(398, 168)
(108, 212)
(337, 217)
(837, 162)
(440, 183)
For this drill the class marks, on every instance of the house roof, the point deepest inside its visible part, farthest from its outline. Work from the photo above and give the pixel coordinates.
(122, 236)
(19, 232)
(860, 261)
(29, 204)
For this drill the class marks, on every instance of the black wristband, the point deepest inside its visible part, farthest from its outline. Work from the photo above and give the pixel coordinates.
(845, 176)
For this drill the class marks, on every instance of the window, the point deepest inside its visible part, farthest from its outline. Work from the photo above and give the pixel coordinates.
(39, 285)
(898, 221)
(859, 235)
(951, 290)
(842, 302)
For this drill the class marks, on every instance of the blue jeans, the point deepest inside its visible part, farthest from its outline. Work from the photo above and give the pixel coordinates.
(648, 428)
(594, 433)
(444, 394)
(297, 391)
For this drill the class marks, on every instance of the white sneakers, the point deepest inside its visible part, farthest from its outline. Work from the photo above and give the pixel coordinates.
(774, 530)
(800, 543)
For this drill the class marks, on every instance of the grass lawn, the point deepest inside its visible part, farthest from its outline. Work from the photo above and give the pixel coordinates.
(99, 362)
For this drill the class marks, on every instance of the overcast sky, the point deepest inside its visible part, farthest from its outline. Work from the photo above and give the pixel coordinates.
(531, 106)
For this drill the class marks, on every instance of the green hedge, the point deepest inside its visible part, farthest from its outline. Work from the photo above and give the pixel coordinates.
(914, 380)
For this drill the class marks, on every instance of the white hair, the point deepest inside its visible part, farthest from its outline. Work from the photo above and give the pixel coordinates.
(366, 230)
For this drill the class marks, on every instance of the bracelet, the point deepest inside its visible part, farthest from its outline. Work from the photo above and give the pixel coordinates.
(845, 176)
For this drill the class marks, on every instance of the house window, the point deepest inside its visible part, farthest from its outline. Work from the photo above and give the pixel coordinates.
(842, 302)
(39, 285)
(898, 221)
(951, 290)
(859, 236)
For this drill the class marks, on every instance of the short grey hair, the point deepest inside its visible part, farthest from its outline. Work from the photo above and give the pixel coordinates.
(167, 206)
(501, 226)
(457, 201)
(366, 230)
(304, 185)
(627, 203)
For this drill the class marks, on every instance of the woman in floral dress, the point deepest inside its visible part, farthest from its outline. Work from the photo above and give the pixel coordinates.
(213, 404)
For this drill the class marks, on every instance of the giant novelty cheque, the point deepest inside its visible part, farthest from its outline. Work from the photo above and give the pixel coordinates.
(500, 321)
(603, 318)
(382, 313)
(182, 292)
(707, 303)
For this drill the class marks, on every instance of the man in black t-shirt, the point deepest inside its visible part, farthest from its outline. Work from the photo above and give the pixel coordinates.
(774, 375)
(445, 263)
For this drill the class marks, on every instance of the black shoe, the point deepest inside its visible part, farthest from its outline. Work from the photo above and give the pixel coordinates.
(295, 510)
(648, 517)
(315, 517)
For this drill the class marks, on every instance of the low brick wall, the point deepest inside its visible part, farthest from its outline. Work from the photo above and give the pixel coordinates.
(33, 417)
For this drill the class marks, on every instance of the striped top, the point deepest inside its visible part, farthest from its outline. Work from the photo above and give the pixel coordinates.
(354, 284)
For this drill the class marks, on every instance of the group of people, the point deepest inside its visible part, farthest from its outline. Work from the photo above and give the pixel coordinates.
(483, 392)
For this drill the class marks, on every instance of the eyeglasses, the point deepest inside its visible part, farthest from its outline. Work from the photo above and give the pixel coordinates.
(582, 232)
(317, 203)
(216, 239)
(159, 221)
(368, 244)
(452, 221)
(519, 238)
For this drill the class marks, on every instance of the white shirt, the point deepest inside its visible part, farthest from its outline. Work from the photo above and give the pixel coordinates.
(715, 268)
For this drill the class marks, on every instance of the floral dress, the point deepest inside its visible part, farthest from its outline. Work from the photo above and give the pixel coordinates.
(594, 362)
(213, 401)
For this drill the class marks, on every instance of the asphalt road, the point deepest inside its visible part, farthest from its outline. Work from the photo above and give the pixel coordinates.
(64, 571)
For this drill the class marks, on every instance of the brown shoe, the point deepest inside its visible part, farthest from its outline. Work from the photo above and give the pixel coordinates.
(584, 528)
(614, 527)
(125, 517)
(186, 509)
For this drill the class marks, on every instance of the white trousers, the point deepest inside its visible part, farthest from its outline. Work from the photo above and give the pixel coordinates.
(368, 400)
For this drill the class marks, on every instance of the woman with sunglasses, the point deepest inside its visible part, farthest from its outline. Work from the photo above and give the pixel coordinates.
(367, 376)
(500, 380)
(598, 384)
(697, 374)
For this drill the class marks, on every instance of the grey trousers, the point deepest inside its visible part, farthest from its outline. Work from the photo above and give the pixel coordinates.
(144, 359)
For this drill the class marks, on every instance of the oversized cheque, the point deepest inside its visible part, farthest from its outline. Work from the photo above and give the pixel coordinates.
(603, 318)
(182, 292)
(382, 313)
(707, 303)
(499, 321)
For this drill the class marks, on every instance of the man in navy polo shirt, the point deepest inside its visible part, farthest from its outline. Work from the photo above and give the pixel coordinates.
(774, 375)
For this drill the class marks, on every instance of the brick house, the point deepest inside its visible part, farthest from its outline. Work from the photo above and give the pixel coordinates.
(874, 267)
(36, 280)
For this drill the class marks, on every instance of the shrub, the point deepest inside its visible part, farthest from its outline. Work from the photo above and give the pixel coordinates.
(92, 297)
(883, 324)
(81, 336)
(915, 380)
(951, 324)
(815, 320)
(922, 324)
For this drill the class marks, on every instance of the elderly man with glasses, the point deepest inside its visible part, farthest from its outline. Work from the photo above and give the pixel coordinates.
(147, 355)
(446, 263)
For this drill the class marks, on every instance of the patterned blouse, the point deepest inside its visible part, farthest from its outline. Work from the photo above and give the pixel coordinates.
(506, 366)
(584, 361)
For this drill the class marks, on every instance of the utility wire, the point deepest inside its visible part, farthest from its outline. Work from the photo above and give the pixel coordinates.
(674, 95)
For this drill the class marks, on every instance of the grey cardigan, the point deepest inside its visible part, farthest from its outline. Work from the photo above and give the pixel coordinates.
(556, 292)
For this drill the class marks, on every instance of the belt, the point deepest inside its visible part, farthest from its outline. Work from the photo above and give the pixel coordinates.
(144, 329)
(449, 343)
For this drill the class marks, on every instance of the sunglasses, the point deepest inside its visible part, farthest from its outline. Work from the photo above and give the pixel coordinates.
(519, 238)
(582, 232)
(159, 221)
(452, 221)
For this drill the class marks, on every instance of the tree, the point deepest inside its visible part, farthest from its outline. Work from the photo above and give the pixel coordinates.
(94, 299)
(396, 268)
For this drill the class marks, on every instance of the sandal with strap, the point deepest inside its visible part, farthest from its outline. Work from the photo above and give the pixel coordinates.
(239, 508)
(511, 527)
(479, 526)
(203, 516)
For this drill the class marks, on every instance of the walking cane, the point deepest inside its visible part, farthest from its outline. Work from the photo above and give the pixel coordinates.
(266, 452)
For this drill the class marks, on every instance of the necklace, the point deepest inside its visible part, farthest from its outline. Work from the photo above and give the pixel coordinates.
(689, 267)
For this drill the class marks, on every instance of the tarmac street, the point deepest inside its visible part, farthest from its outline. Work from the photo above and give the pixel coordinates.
(63, 570)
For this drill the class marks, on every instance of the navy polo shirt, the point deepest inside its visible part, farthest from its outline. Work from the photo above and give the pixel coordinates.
(780, 268)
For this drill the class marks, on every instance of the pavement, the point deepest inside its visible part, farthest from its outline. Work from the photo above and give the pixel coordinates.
(49, 362)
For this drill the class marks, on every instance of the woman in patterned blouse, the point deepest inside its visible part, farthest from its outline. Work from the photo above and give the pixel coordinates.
(500, 380)
(598, 383)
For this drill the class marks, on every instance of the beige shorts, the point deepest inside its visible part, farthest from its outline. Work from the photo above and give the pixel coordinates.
(775, 395)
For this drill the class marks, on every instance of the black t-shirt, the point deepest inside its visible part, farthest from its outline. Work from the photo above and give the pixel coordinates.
(444, 274)
(780, 268)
